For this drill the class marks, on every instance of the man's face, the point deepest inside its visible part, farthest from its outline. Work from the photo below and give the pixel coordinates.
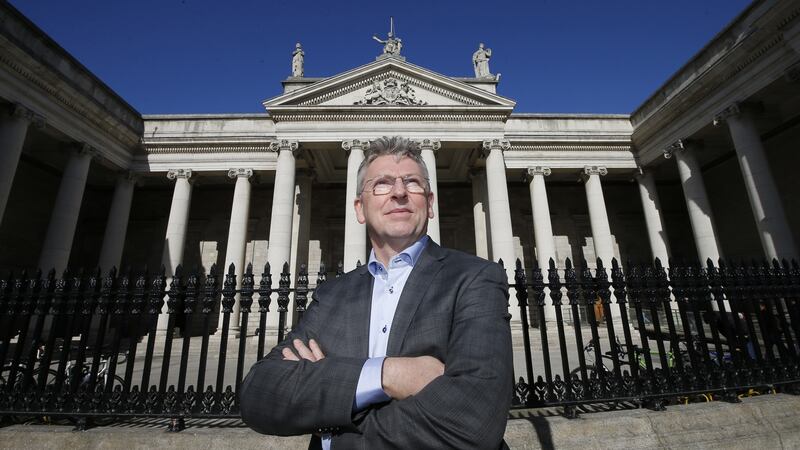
(399, 217)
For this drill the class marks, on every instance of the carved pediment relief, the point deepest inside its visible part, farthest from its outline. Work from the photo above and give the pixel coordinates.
(390, 91)
(390, 83)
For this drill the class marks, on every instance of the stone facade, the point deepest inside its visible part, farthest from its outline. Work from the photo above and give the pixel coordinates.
(703, 168)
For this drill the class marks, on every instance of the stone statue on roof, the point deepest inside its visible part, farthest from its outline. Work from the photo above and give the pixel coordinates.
(392, 45)
(297, 60)
(480, 59)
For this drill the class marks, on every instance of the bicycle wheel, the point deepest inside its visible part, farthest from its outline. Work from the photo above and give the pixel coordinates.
(17, 384)
(5, 374)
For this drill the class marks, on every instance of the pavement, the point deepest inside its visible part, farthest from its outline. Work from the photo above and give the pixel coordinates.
(762, 422)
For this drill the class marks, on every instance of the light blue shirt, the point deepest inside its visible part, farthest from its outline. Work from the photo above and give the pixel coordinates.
(386, 291)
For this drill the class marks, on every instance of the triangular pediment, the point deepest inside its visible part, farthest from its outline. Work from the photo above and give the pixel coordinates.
(389, 82)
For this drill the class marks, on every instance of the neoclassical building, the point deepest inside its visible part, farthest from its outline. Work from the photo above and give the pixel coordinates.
(704, 168)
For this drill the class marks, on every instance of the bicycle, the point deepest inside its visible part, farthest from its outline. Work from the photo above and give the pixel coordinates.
(20, 383)
(621, 355)
(83, 381)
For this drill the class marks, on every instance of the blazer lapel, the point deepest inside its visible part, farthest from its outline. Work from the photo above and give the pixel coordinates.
(423, 274)
(360, 312)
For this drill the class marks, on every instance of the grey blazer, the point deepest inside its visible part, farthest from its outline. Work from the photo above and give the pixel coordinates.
(454, 307)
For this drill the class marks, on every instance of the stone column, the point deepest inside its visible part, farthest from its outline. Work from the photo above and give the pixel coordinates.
(117, 224)
(598, 219)
(479, 210)
(280, 226)
(13, 129)
(500, 211)
(66, 208)
(694, 191)
(659, 246)
(175, 238)
(773, 229)
(301, 229)
(355, 234)
(237, 235)
(429, 148)
(542, 227)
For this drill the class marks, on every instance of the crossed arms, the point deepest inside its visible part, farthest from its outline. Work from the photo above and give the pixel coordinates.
(313, 391)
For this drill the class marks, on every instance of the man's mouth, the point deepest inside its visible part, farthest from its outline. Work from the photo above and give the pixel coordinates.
(399, 211)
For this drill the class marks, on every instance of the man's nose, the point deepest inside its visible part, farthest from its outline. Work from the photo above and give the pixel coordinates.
(401, 190)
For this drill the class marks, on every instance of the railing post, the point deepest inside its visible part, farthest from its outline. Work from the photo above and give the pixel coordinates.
(245, 302)
(618, 283)
(522, 388)
(283, 300)
(301, 292)
(580, 387)
(264, 299)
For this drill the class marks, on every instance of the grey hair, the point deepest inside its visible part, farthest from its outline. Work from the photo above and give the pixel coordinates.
(396, 146)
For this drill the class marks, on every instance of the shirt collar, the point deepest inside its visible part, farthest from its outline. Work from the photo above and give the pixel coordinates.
(410, 255)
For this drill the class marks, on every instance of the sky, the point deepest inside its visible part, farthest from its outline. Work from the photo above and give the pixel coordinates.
(206, 57)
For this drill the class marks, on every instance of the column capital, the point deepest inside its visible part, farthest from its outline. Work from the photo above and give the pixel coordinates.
(734, 109)
(174, 174)
(350, 144)
(595, 170)
(429, 144)
(284, 144)
(539, 170)
(240, 173)
(495, 144)
(83, 149)
(19, 111)
(682, 145)
(672, 148)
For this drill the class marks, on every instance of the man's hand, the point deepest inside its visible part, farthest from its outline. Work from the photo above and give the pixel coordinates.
(404, 377)
(312, 352)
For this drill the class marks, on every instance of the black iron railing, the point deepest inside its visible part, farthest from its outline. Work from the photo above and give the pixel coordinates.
(92, 348)
(658, 334)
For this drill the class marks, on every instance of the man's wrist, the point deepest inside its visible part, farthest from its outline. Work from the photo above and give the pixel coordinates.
(369, 390)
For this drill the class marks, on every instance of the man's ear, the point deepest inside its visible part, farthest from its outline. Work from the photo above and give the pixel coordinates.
(430, 205)
(359, 207)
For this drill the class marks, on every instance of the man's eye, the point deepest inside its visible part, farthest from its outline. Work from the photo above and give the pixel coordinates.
(384, 182)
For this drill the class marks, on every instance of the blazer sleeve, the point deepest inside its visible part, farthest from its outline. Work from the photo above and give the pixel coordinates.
(288, 398)
(468, 406)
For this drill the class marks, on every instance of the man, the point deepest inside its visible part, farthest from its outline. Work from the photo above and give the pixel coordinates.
(412, 350)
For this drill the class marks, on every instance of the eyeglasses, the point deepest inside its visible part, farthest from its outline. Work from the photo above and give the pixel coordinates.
(382, 185)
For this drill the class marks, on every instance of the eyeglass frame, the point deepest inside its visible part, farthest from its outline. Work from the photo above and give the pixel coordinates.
(425, 187)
